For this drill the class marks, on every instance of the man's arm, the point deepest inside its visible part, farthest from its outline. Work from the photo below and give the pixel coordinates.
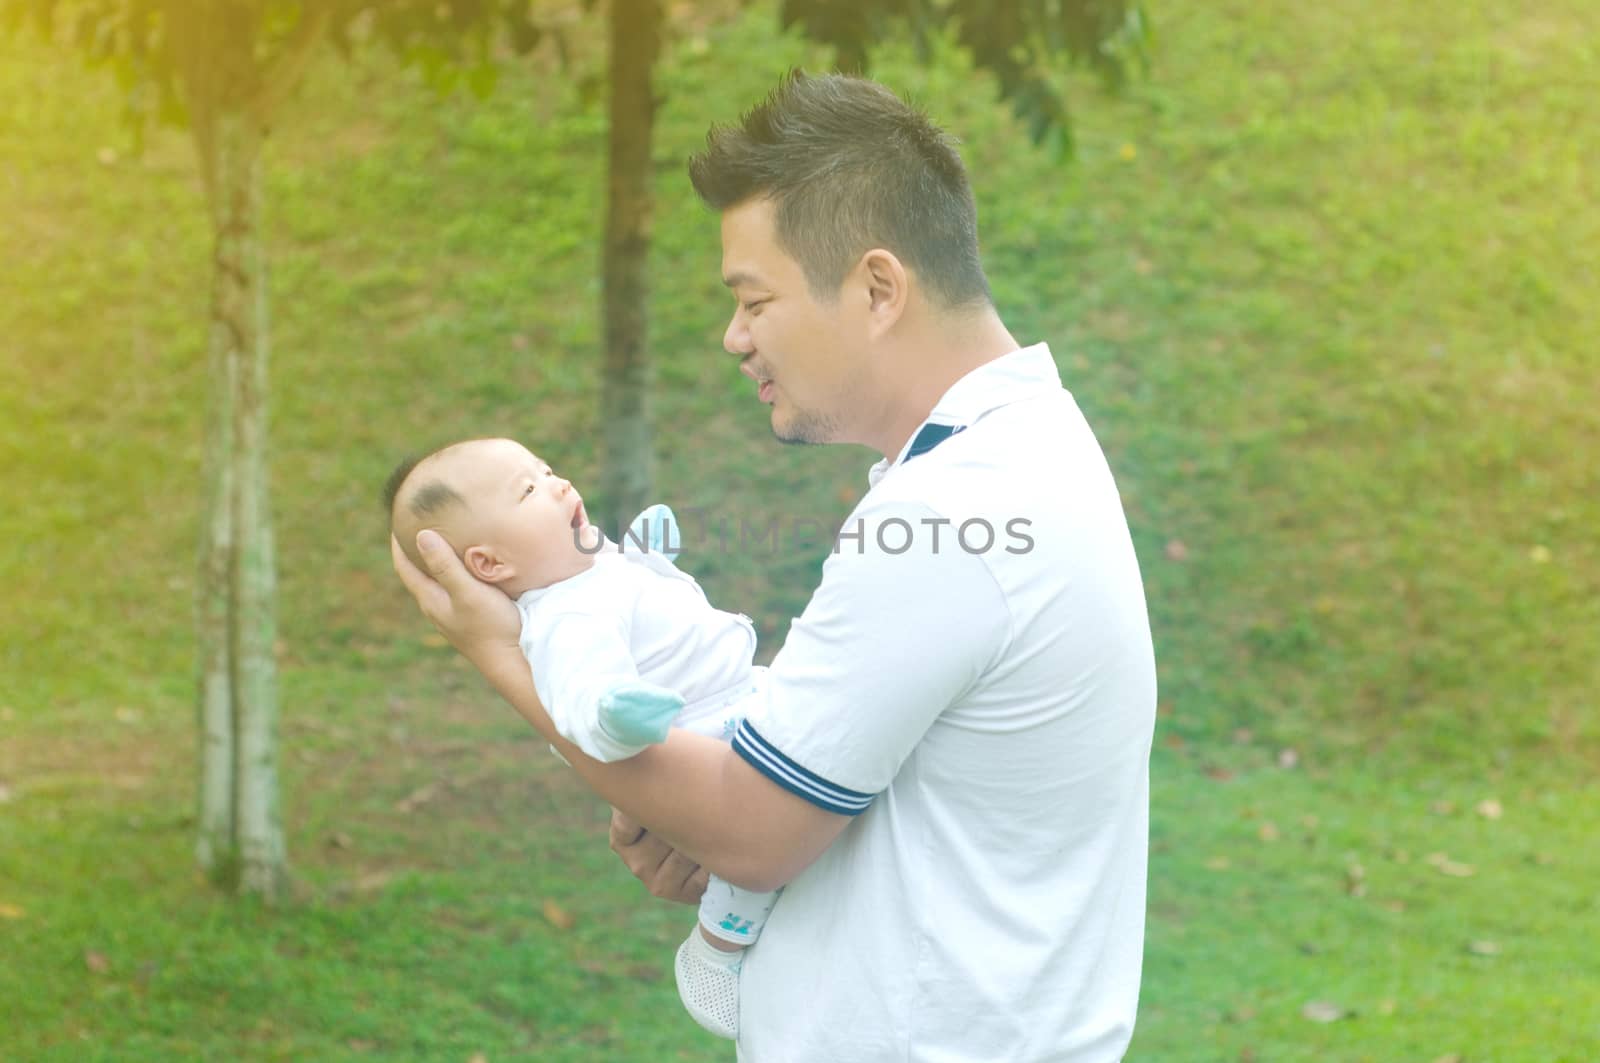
(691, 791)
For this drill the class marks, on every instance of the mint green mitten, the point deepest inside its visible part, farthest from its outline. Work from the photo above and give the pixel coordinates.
(639, 713)
(656, 528)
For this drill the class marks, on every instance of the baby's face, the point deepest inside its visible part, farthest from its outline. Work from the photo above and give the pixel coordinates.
(528, 516)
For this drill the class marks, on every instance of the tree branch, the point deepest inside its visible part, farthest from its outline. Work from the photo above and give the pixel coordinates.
(285, 71)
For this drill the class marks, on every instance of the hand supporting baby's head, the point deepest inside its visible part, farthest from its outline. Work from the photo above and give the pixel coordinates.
(511, 520)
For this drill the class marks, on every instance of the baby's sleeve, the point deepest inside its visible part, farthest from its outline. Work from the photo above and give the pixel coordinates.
(576, 659)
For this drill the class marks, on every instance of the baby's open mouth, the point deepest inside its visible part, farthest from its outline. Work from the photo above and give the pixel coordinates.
(580, 517)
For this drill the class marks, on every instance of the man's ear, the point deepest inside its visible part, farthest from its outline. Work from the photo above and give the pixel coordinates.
(887, 285)
(482, 563)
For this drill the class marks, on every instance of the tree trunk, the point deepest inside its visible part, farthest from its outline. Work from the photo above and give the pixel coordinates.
(241, 834)
(625, 473)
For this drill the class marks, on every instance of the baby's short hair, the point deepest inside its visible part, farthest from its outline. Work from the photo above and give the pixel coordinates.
(428, 499)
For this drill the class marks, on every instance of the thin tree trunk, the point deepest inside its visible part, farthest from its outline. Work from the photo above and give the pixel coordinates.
(625, 474)
(241, 831)
(214, 620)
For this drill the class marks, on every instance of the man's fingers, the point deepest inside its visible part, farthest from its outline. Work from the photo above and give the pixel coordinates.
(673, 879)
(665, 872)
(694, 887)
(429, 595)
(440, 561)
(624, 832)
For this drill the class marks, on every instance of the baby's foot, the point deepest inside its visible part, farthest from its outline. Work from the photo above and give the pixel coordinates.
(708, 984)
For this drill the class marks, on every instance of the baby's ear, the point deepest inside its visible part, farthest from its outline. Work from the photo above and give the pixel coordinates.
(482, 563)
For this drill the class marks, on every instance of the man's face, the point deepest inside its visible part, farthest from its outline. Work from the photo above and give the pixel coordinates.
(529, 517)
(802, 354)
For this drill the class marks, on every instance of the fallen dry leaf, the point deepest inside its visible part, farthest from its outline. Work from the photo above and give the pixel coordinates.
(126, 715)
(10, 911)
(1268, 832)
(1489, 808)
(478, 1057)
(1456, 870)
(96, 962)
(417, 798)
(1484, 948)
(1323, 1011)
(1453, 1057)
(1443, 808)
(558, 916)
(1177, 550)
(1355, 880)
(6, 793)
(1287, 758)
(1243, 736)
(1217, 863)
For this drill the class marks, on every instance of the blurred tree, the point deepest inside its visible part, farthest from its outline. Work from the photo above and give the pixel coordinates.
(224, 68)
(1024, 43)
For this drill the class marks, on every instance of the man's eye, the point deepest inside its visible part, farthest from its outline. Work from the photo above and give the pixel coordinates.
(752, 307)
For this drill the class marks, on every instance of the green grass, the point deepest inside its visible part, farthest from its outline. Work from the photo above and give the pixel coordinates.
(1323, 286)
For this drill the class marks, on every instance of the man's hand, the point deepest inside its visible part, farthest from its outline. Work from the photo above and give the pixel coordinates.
(665, 872)
(477, 619)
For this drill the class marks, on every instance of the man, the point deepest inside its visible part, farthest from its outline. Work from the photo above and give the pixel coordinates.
(951, 772)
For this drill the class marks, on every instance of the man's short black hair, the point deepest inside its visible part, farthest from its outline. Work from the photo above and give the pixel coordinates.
(850, 166)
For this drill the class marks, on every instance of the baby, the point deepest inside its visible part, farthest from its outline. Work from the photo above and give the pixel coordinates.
(622, 644)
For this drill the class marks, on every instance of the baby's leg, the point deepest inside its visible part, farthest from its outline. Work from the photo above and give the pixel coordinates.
(731, 918)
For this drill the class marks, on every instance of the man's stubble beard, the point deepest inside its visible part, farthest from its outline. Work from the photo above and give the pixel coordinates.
(807, 428)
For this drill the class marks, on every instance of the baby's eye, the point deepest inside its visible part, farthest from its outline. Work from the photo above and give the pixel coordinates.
(526, 491)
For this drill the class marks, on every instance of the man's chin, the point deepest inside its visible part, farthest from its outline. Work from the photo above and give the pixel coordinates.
(801, 431)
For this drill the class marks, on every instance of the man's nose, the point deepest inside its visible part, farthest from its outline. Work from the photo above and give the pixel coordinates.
(736, 340)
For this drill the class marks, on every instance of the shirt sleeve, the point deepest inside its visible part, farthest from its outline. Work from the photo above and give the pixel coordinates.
(576, 657)
(891, 638)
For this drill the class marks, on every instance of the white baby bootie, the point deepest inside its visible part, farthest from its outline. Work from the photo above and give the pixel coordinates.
(708, 984)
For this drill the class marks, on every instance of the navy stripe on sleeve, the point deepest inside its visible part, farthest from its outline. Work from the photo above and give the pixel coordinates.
(769, 761)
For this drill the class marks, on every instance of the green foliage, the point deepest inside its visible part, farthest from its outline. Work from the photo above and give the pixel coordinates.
(1021, 42)
(165, 52)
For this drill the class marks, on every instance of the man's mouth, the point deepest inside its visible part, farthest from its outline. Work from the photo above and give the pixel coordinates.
(763, 381)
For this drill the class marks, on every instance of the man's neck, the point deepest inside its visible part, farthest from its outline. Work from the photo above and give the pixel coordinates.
(926, 366)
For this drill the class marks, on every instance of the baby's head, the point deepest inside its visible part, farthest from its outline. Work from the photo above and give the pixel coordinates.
(511, 520)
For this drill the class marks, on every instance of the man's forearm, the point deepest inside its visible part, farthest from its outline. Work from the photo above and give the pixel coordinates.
(694, 792)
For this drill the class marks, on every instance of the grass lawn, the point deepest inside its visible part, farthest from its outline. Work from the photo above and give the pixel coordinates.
(1325, 288)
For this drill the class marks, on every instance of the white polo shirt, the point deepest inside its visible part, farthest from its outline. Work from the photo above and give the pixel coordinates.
(983, 701)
